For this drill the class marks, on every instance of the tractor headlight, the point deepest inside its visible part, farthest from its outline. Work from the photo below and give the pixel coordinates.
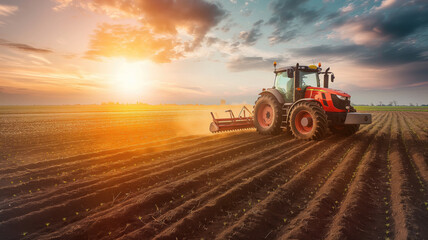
(343, 98)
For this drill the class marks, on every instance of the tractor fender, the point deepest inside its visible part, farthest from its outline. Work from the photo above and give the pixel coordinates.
(299, 101)
(275, 93)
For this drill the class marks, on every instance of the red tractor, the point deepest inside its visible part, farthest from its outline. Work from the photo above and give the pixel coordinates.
(298, 103)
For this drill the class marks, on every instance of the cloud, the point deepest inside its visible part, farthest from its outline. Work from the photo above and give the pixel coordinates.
(379, 27)
(329, 50)
(383, 56)
(347, 8)
(39, 59)
(287, 16)
(244, 63)
(6, 10)
(281, 37)
(131, 42)
(387, 66)
(167, 17)
(251, 37)
(212, 40)
(385, 4)
(23, 47)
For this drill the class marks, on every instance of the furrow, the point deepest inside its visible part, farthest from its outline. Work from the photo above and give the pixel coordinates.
(255, 188)
(417, 129)
(409, 204)
(57, 165)
(419, 119)
(96, 168)
(38, 166)
(417, 150)
(365, 211)
(313, 222)
(266, 218)
(103, 192)
(205, 191)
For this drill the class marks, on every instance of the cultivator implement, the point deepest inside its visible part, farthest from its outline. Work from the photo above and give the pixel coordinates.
(233, 123)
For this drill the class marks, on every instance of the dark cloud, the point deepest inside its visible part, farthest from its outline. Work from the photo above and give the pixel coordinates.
(384, 55)
(242, 63)
(23, 47)
(228, 23)
(132, 43)
(251, 37)
(287, 16)
(212, 40)
(281, 37)
(197, 17)
(329, 50)
(413, 74)
(382, 25)
(391, 35)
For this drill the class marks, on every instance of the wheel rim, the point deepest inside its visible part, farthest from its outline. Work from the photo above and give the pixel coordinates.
(265, 115)
(304, 122)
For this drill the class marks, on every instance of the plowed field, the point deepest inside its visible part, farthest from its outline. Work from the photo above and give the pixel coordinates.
(117, 178)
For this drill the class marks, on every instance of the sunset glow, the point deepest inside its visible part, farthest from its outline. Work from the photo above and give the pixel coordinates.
(78, 51)
(132, 79)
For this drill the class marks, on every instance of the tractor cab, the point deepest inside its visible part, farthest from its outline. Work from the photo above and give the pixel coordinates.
(300, 76)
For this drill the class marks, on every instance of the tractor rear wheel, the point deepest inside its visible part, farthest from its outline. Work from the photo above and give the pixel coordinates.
(308, 121)
(267, 115)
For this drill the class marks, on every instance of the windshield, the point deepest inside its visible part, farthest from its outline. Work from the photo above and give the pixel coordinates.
(309, 79)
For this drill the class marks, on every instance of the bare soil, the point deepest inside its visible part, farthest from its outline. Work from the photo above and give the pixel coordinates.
(132, 177)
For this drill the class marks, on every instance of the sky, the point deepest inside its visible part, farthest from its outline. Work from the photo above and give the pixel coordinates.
(200, 51)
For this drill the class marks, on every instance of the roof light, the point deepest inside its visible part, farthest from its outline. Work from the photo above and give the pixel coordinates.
(319, 64)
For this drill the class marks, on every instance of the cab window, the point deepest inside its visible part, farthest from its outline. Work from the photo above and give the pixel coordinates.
(309, 79)
(284, 85)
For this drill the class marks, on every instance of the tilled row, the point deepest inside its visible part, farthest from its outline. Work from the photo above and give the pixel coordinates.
(101, 228)
(97, 167)
(89, 197)
(417, 150)
(43, 166)
(364, 210)
(370, 185)
(408, 197)
(140, 220)
(315, 220)
(272, 214)
(200, 184)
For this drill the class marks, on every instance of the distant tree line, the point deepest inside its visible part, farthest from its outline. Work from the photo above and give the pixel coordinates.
(393, 103)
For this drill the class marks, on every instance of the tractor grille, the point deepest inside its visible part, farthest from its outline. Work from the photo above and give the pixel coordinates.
(340, 104)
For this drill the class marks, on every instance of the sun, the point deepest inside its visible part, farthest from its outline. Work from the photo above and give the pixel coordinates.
(131, 78)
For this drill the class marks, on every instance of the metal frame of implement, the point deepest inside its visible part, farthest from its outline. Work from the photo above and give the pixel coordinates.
(232, 123)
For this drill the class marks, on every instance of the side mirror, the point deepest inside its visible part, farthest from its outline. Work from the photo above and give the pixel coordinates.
(290, 73)
(332, 77)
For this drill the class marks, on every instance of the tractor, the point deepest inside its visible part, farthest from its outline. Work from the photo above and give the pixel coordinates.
(299, 104)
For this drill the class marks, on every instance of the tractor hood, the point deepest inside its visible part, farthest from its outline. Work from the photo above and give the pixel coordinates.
(329, 90)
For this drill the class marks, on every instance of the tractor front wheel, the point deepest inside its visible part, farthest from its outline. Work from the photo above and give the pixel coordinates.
(267, 115)
(308, 121)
